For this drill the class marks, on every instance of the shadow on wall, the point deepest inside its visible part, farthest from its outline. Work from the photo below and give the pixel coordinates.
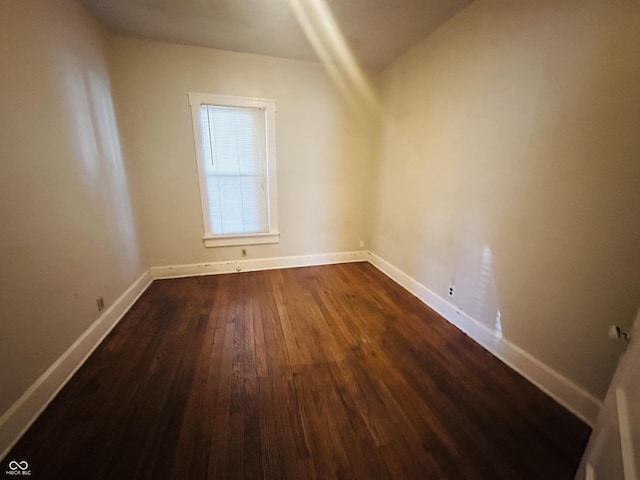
(557, 183)
(68, 230)
(99, 156)
(574, 215)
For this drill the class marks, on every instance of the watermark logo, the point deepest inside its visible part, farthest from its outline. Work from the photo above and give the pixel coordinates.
(18, 468)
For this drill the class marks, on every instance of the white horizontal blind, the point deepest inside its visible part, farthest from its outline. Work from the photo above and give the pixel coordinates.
(235, 165)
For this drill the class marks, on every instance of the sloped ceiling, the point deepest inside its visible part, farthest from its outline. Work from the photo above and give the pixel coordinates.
(376, 31)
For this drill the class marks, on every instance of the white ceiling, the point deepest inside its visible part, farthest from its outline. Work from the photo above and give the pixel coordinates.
(376, 31)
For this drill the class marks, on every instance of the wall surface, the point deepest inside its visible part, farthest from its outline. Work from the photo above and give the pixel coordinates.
(324, 149)
(510, 168)
(68, 235)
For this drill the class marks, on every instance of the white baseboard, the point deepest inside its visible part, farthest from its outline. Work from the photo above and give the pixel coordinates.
(28, 407)
(15, 421)
(577, 400)
(250, 265)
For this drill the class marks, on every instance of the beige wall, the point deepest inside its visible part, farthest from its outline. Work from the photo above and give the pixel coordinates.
(324, 149)
(510, 167)
(67, 231)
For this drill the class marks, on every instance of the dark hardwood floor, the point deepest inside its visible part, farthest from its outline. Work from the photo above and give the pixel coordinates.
(320, 372)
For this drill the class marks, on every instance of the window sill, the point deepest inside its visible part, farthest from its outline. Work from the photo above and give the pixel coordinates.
(232, 240)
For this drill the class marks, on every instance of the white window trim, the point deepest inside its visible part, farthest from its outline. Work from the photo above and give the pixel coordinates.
(196, 100)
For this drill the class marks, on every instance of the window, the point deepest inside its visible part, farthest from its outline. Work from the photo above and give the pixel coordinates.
(235, 149)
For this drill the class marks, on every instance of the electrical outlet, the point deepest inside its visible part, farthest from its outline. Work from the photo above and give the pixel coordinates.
(100, 303)
(361, 243)
(244, 252)
(451, 290)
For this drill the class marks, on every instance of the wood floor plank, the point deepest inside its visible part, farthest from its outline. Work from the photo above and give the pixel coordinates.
(318, 372)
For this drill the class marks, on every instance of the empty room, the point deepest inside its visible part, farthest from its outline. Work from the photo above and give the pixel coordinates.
(292, 239)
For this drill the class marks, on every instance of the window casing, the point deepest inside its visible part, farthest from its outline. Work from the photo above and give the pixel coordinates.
(235, 151)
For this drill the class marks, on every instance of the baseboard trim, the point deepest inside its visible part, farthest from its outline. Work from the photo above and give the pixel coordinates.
(574, 398)
(21, 415)
(250, 265)
(17, 420)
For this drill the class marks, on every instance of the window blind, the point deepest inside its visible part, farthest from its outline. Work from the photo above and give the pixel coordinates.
(235, 165)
